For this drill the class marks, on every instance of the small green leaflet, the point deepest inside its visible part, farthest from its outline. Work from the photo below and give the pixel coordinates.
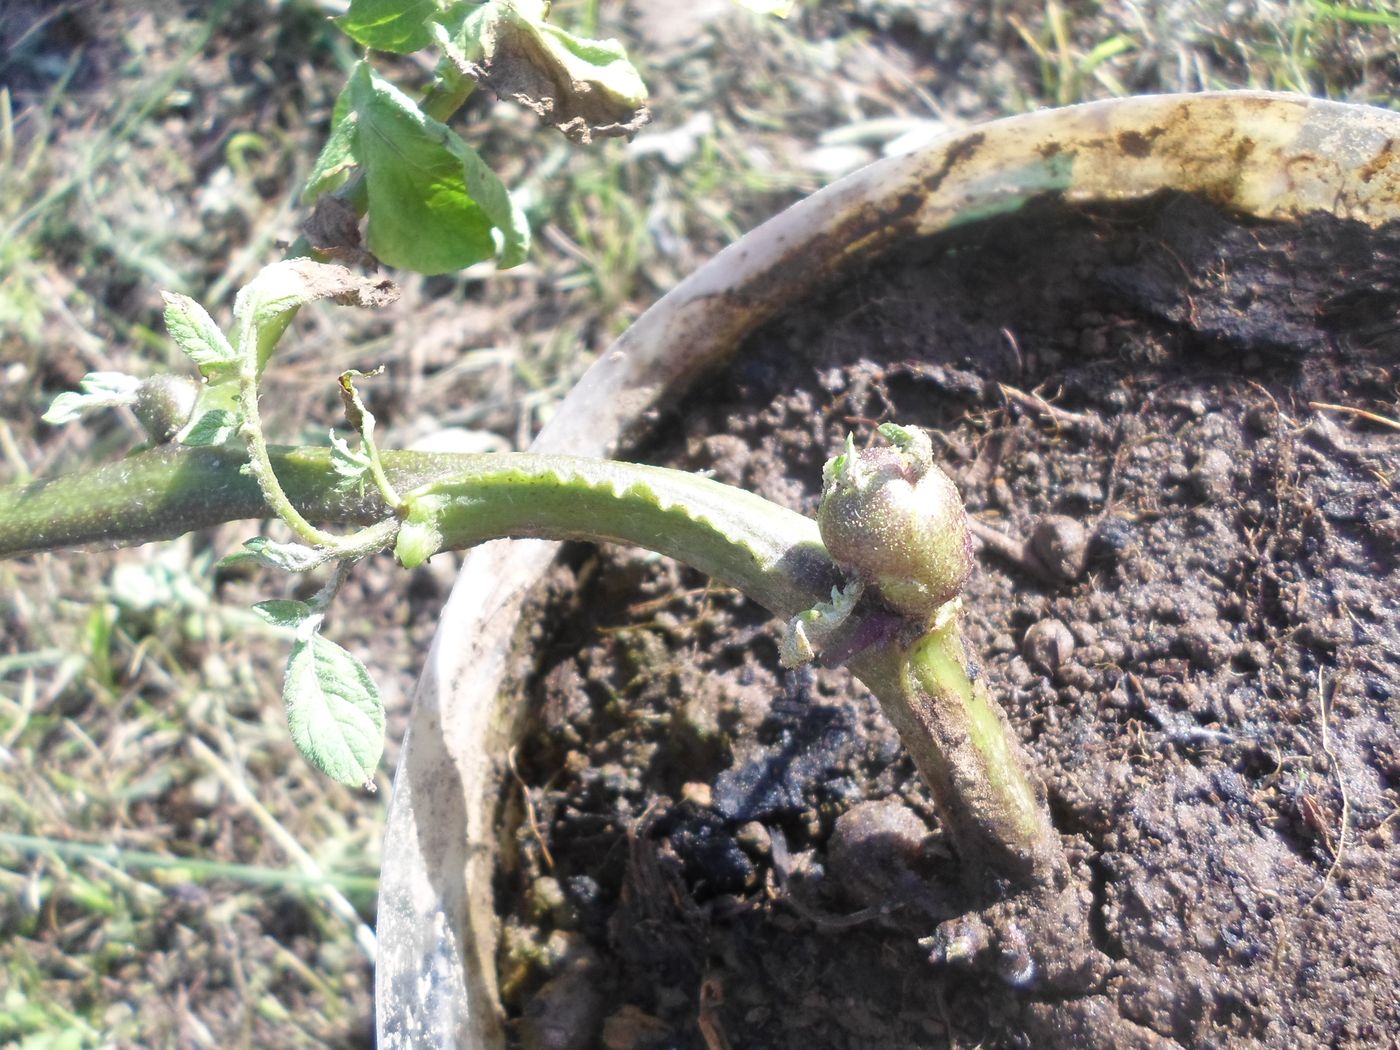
(400, 26)
(334, 710)
(290, 557)
(195, 332)
(217, 414)
(95, 390)
(352, 465)
(215, 427)
(281, 612)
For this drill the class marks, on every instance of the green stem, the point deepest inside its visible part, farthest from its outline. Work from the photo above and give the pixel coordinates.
(960, 740)
(773, 555)
(257, 338)
(167, 492)
(376, 470)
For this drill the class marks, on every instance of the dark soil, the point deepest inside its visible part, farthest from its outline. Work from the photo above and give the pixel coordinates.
(736, 858)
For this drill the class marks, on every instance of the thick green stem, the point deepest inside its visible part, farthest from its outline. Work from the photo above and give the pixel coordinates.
(167, 492)
(965, 750)
(773, 555)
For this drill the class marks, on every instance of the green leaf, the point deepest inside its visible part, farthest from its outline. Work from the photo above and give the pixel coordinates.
(95, 390)
(352, 465)
(434, 205)
(215, 427)
(512, 230)
(400, 26)
(281, 612)
(195, 332)
(334, 711)
(337, 159)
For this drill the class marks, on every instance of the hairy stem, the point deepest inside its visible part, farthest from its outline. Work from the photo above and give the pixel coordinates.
(169, 491)
(451, 501)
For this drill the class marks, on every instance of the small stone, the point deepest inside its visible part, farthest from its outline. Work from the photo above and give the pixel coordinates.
(1014, 962)
(546, 898)
(958, 941)
(753, 839)
(1204, 644)
(1084, 632)
(1082, 496)
(874, 848)
(1062, 545)
(1047, 645)
(1211, 476)
(633, 1029)
(1261, 419)
(1251, 656)
(567, 1012)
(1076, 676)
(1112, 536)
(697, 793)
(695, 730)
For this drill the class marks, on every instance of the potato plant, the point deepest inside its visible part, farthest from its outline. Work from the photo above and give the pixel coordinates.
(873, 583)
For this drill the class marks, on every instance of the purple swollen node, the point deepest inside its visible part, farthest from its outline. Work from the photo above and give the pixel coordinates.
(891, 518)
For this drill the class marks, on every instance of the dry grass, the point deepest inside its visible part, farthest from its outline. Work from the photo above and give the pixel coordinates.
(139, 703)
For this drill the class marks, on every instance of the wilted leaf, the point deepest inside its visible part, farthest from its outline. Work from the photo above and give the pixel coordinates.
(285, 286)
(334, 230)
(582, 87)
(776, 8)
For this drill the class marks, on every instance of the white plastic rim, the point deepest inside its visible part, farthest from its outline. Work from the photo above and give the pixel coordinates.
(1269, 156)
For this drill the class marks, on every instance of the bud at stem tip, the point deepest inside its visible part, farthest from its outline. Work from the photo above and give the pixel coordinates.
(895, 521)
